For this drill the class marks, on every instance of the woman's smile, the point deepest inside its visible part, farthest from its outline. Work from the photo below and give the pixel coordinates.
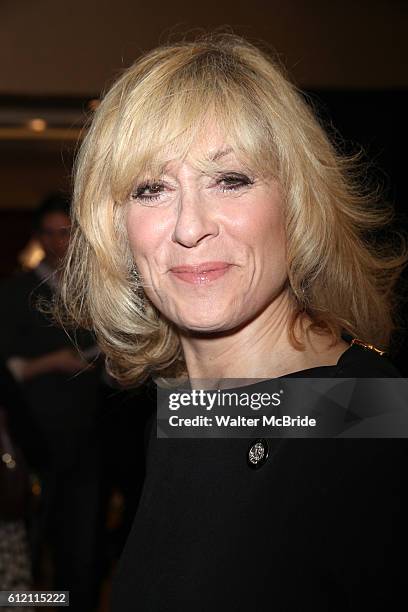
(201, 274)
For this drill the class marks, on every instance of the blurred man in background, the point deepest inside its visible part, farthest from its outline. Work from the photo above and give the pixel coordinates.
(61, 387)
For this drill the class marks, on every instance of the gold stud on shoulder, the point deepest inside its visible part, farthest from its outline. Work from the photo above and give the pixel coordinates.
(367, 346)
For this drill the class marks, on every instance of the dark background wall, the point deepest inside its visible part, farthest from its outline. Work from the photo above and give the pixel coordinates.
(73, 47)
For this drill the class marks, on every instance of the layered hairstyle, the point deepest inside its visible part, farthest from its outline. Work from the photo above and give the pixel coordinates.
(337, 273)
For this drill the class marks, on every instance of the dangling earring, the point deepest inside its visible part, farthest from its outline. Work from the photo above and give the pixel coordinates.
(136, 277)
(134, 272)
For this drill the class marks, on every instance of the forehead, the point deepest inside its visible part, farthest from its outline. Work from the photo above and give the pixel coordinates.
(207, 152)
(209, 140)
(203, 159)
(55, 219)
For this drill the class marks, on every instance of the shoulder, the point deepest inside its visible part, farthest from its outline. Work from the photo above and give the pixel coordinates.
(365, 361)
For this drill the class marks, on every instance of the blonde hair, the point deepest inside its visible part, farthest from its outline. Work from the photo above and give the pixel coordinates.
(152, 114)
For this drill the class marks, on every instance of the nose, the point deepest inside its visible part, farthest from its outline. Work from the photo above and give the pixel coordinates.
(195, 221)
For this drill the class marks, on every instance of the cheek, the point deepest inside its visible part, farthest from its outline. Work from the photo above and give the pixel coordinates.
(262, 229)
(46, 243)
(137, 230)
(145, 238)
(274, 253)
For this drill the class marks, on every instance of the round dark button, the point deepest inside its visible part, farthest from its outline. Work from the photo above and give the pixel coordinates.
(258, 453)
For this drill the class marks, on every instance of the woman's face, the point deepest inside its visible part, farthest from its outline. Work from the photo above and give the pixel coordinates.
(210, 249)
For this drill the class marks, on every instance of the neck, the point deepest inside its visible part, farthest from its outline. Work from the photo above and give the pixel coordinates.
(261, 348)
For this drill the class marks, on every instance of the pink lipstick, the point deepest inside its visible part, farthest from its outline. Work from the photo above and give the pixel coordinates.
(201, 273)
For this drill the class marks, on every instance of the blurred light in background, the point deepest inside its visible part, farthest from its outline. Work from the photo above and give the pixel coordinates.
(37, 125)
(31, 255)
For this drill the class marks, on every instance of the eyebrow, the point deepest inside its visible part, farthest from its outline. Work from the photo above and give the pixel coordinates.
(220, 153)
(211, 158)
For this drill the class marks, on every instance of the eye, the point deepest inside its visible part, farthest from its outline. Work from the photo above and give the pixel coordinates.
(148, 192)
(233, 181)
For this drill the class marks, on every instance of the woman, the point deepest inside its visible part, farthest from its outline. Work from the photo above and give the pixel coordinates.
(218, 235)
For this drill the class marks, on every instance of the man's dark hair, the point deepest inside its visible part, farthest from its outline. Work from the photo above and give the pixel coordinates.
(54, 202)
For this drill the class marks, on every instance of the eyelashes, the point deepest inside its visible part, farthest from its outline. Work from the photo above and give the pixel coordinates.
(152, 191)
(156, 188)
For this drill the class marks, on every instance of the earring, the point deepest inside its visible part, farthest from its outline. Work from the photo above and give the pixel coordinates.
(135, 273)
(139, 292)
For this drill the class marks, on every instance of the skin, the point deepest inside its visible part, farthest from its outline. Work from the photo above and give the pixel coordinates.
(235, 326)
(53, 235)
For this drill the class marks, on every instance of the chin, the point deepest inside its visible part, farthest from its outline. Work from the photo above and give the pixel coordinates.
(211, 325)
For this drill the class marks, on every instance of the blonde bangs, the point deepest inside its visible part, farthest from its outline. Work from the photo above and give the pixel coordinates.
(164, 121)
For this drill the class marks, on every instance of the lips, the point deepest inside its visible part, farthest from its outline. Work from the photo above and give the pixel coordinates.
(201, 274)
(207, 266)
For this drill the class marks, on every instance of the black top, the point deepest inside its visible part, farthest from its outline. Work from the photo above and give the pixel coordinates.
(21, 426)
(321, 526)
(61, 405)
